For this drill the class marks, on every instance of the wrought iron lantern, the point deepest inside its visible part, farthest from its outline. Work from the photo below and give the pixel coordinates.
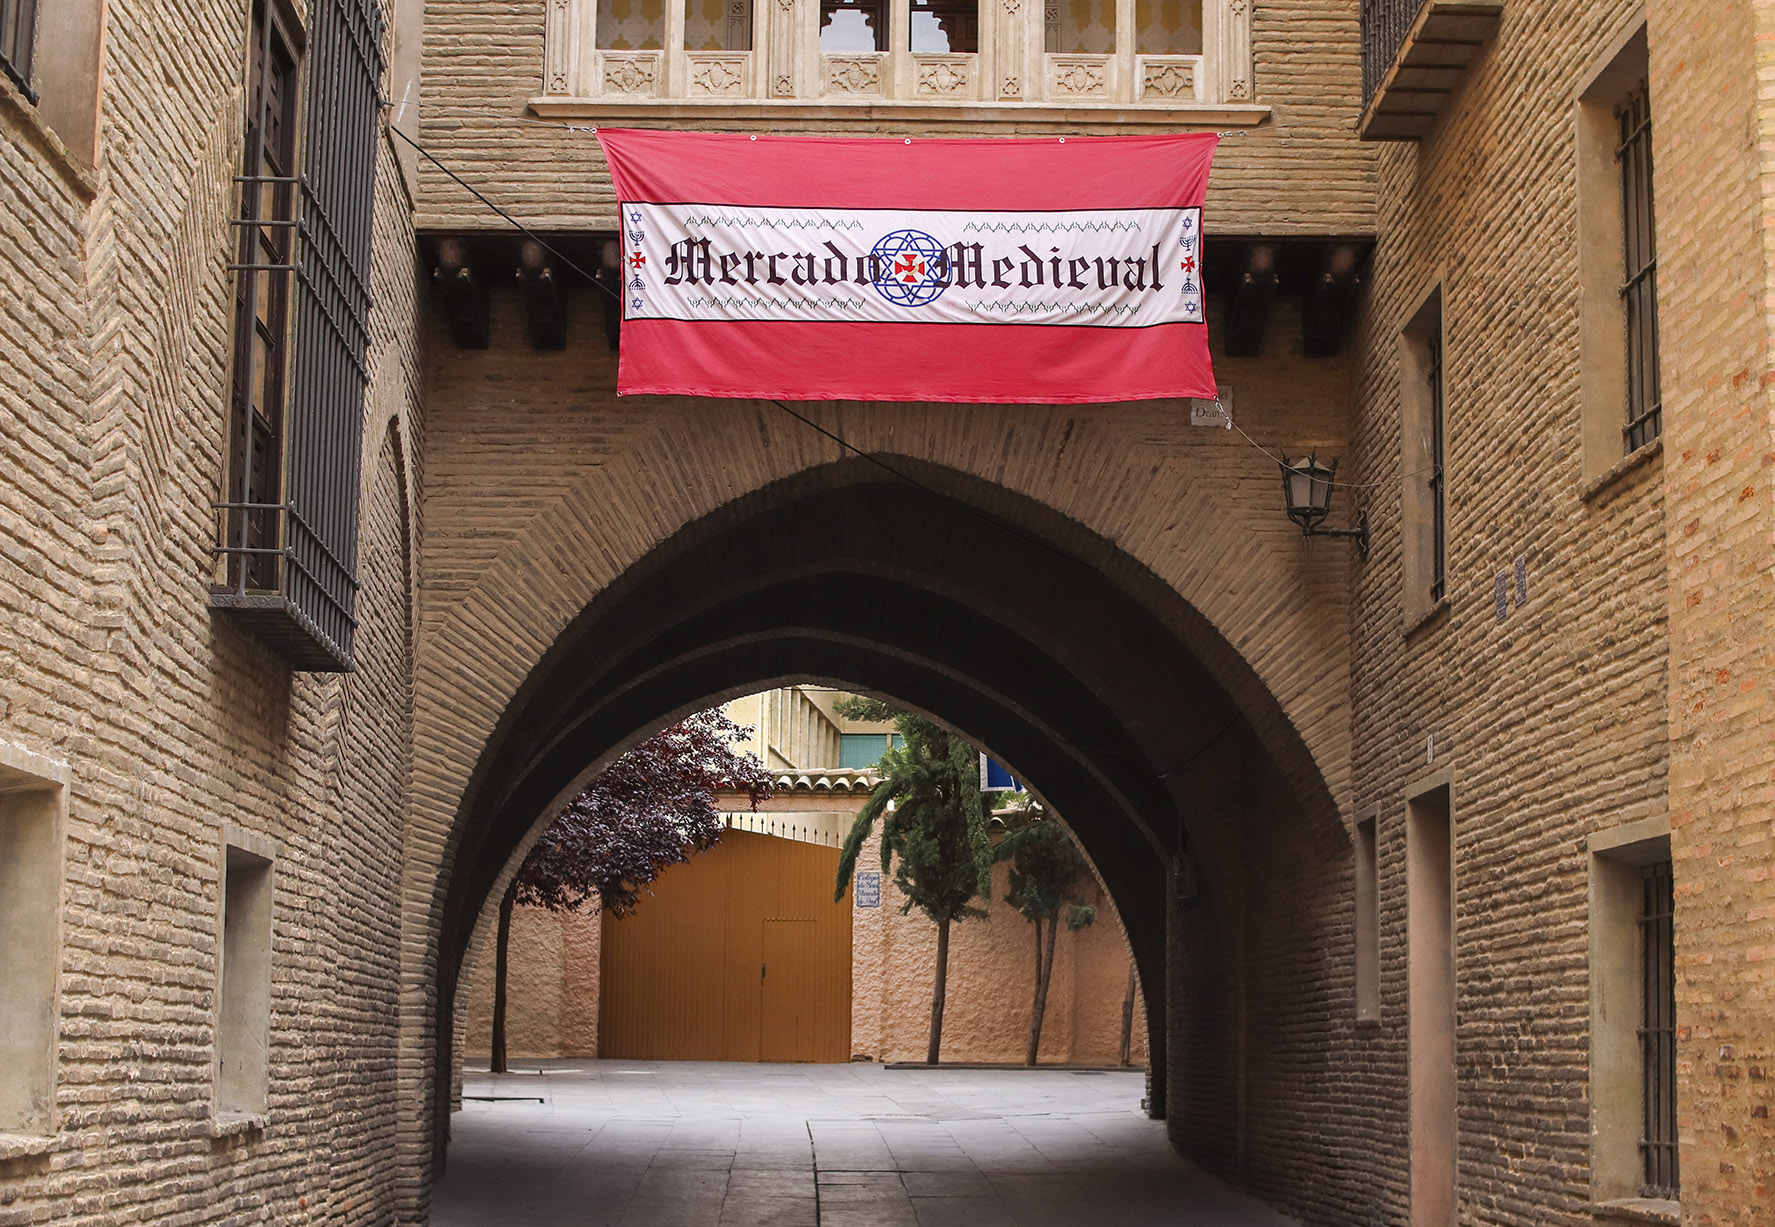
(1307, 484)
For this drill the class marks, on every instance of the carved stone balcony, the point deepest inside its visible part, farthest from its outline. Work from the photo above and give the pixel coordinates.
(1012, 70)
(1414, 53)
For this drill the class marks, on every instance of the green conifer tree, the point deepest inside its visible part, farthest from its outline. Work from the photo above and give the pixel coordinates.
(933, 834)
(1047, 875)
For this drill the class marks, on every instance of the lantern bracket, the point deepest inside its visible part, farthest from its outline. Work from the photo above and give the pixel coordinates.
(1307, 484)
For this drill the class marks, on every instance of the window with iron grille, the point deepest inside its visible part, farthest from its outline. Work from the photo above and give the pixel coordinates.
(18, 34)
(262, 305)
(1436, 479)
(287, 526)
(1639, 292)
(1657, 1034)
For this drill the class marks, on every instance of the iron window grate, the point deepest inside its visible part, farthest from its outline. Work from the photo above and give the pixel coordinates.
(18, 35)
(1657, 1033)
(1639, 251)
(287, 529)
(1438, 478)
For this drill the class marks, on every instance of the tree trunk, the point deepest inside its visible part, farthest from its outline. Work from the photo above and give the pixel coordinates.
(497, 1061)
(1035, 1004)
(938, 991)
(1044, 973)
(1128, 1016)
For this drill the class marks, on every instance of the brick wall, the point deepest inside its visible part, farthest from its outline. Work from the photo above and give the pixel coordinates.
(1713, 148)
(1629, 684)
(1552, 721)
(114, 308)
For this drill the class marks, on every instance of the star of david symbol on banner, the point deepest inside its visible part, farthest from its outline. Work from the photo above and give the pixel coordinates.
(912, 268)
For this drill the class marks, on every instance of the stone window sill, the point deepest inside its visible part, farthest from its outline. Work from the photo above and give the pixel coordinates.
(876, 110)
(1639, 1210)
(1419, 620)
(1606, 480)
(16, 110)
(237, 1124)
(26, 1145)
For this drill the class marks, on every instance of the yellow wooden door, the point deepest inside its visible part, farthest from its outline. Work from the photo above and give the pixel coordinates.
(740, 954)
(788, 980)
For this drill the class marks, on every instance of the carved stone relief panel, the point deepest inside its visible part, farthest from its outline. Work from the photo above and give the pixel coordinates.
(853, 74)
(1170, 78)
(943, 76)
(718, 74)
(632, 73)
(1078, 76)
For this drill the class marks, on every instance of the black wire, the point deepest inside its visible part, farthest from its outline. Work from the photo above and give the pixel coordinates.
(1206, 746)
(878, 462)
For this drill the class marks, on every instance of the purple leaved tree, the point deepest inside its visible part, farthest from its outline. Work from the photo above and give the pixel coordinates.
(652, 808)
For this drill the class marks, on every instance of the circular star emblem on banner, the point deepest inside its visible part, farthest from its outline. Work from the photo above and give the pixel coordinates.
(911, 267)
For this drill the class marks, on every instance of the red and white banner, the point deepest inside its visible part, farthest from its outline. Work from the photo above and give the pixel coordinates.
(810, 268)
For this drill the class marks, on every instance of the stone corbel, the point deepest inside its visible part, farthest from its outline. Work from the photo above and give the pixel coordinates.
(464, 294)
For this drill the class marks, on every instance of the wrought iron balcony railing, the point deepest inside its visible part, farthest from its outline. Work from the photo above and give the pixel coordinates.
(1414, 53)
(1384, 25)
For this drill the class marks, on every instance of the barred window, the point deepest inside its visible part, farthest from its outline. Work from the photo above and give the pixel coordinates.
(1639, 292)
(287, 525)
(1424, 481)
(262, 305)
(1436, 479)
(18, 34)
(1657, 1033)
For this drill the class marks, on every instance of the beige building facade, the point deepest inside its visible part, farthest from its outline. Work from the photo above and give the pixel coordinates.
(1385, 831)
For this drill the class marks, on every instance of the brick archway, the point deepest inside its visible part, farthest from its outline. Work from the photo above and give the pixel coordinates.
(1073, 661)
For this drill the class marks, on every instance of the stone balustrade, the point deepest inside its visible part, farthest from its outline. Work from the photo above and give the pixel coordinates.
(771, 54)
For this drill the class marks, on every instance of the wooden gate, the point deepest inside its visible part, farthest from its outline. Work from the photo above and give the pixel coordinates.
(738, 955)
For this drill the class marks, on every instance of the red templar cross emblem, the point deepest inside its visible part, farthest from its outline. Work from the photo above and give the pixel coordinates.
(908, 268)
(637, 260)
(1189, 264)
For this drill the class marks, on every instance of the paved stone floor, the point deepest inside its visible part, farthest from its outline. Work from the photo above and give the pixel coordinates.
(685, 1144)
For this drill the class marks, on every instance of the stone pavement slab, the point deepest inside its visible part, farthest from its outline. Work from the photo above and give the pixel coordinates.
(692, 1144)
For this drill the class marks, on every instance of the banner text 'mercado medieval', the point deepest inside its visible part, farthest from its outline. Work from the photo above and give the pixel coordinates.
(1041, 271)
